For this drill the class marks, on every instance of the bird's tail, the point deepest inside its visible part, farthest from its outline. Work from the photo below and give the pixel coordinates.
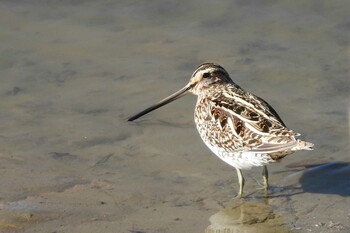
(302, 145)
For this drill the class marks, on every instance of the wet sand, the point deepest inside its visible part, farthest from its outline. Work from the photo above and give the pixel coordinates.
(71, 73)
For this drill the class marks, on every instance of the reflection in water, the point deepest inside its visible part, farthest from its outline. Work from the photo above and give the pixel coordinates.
(246, 217)
(71, 71)
(329, 178)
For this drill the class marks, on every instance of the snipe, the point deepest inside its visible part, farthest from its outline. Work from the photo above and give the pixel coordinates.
(240, 128)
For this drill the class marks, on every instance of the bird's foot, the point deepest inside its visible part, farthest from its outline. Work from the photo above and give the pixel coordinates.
(265, 188)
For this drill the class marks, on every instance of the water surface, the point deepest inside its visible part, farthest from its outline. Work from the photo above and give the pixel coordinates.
(71, 73)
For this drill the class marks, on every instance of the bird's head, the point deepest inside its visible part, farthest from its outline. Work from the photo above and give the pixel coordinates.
(207, 77)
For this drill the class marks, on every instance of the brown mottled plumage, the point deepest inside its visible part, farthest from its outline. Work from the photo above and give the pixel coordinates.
(240, 128)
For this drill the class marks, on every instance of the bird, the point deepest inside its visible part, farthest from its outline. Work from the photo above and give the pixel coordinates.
(239, 127)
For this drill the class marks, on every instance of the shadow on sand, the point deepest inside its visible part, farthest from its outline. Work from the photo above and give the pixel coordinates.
(328, 178)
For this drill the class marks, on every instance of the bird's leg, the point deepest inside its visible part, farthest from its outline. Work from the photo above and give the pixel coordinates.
(265, 175)
(241, 183)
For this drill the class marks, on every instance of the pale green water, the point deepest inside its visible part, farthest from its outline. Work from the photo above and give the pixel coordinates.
(71, 73)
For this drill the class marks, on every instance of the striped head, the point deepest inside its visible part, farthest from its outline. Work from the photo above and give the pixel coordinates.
(208, 76)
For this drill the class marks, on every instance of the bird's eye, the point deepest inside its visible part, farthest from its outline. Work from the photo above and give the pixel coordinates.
(206, 75)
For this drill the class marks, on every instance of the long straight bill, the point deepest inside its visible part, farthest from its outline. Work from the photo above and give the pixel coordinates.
(183, 91)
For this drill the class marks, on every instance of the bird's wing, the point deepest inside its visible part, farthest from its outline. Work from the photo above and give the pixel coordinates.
(250, 122)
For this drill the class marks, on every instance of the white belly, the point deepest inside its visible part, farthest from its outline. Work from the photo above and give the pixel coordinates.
(241, 160)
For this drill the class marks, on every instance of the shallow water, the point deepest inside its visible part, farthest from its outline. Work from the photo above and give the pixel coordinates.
(71, 73)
